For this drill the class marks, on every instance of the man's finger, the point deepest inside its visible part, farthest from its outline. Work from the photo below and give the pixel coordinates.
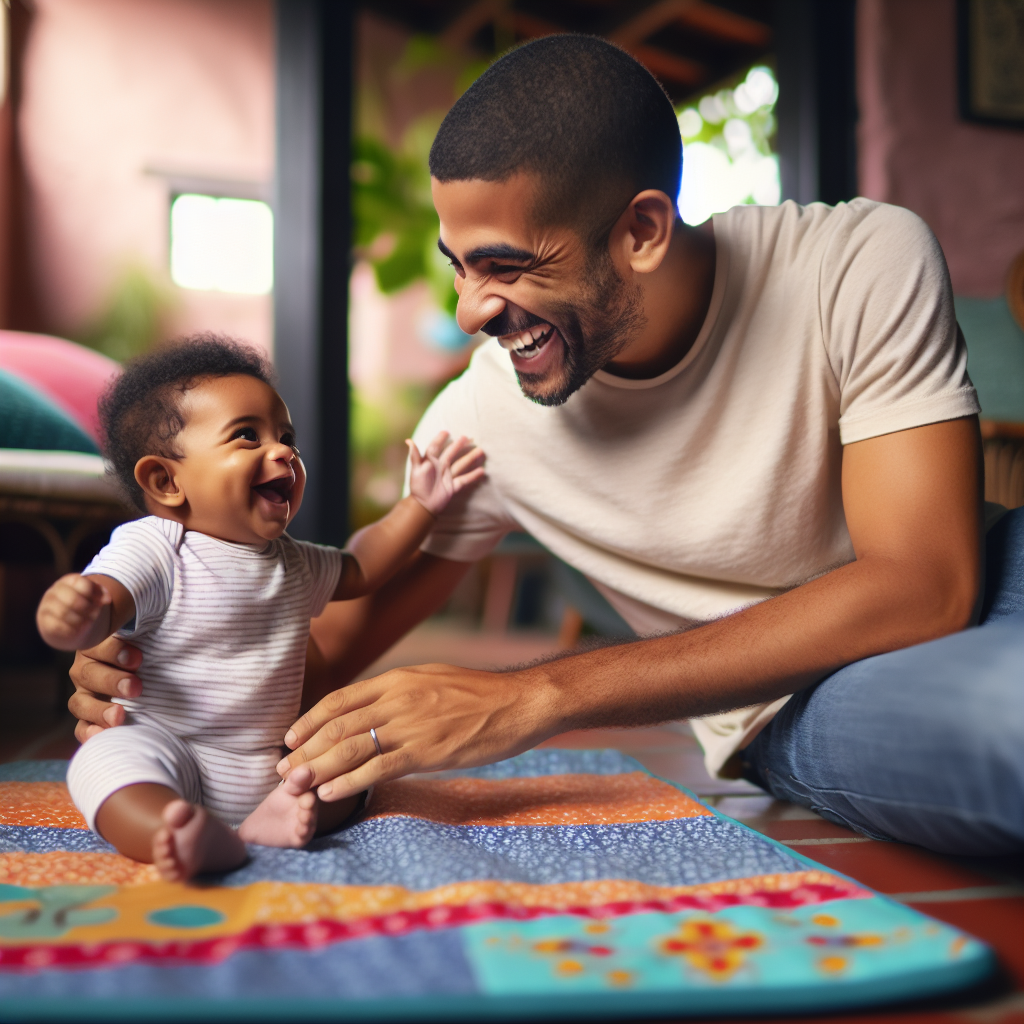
(85, 731)
(91, 711)
(378, 769)
(339, 735)
(341, 757)
(108, 668)
(334, 705)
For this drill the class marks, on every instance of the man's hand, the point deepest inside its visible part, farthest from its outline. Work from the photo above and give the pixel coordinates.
(73, 611)
(443, 470)
(106, 670)
(427, 718)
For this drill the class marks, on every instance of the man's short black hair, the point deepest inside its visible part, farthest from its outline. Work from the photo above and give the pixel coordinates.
(583, 115)
(141, 414)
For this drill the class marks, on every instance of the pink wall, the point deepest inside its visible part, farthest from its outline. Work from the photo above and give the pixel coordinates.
(966, 180)
(388, 339)
(110, 90)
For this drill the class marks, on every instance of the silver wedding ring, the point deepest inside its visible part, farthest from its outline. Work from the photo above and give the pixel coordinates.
(376, 742)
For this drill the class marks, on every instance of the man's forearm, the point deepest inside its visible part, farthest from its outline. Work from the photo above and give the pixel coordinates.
(760, 654)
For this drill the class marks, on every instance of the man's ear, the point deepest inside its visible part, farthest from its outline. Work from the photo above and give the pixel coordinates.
(158, 479)
(643, 233)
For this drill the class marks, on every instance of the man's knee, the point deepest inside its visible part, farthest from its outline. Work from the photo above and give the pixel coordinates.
(930, 738)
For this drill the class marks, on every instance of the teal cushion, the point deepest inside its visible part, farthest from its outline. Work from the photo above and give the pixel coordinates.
(995, 356)
(28, 419)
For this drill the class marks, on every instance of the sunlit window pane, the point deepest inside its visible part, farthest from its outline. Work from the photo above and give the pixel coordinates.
(224, 245)
(727, 153)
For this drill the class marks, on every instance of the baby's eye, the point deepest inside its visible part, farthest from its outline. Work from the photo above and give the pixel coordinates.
(289, 439)
(245, 434)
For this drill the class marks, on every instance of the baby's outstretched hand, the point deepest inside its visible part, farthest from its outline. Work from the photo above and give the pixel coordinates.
(443, 470)
(69, 609)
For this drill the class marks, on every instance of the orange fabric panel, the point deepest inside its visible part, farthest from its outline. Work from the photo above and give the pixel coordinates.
(34, 870)
(38, 803)
(544, 800)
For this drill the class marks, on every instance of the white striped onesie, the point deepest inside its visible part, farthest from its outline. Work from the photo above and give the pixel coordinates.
(223, 630)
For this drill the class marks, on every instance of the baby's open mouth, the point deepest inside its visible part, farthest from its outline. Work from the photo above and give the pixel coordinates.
(278, 491)
(527, 344)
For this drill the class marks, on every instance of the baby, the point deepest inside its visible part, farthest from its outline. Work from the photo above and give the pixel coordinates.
(218, 598)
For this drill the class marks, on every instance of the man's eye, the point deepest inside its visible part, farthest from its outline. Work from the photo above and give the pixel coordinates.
(245, 434)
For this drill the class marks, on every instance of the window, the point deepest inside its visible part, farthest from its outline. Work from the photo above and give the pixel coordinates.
(224, 245)
(727, 155)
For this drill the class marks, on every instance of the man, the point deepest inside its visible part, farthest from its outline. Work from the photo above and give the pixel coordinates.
(774, 406)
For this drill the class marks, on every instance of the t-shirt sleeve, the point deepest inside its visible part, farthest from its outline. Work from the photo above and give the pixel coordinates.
(475, 520)
(889, 325)
(324, 566)
(141, 558)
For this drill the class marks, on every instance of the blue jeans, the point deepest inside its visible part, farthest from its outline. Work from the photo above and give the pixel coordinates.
(924, 745)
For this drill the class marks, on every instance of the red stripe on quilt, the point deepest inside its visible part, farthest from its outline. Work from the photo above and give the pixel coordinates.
(325, 932)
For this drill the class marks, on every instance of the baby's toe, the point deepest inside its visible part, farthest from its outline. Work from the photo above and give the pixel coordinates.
(307, 801)
(178, 813)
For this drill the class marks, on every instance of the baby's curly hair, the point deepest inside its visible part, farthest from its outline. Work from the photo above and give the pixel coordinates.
(140, 412)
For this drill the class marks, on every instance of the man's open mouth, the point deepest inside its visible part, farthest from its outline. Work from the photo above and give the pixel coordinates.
(277, 492)
(527, 344)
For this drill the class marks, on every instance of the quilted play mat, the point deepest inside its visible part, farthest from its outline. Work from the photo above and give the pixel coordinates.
(557, 884)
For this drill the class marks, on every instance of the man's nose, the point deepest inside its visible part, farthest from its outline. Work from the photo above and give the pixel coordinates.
(476, 306)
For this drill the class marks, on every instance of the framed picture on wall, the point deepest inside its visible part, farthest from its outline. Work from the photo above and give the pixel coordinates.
(990, 43)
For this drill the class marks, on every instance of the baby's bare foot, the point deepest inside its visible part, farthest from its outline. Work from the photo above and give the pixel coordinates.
(288, 815)
(193, 841)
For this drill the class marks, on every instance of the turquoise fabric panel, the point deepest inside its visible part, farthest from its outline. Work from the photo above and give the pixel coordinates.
(995, 356)
(28, 419)
(841, 943)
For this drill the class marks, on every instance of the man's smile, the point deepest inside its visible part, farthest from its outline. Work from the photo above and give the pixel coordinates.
(527, 344)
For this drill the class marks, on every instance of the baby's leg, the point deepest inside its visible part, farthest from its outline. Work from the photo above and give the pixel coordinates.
(291, 814)
(151, 823)
(136, 786)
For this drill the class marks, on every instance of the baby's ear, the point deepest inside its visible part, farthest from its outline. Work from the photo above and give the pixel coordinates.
(159, 480)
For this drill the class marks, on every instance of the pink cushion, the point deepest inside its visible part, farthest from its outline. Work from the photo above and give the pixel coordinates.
(71, 376)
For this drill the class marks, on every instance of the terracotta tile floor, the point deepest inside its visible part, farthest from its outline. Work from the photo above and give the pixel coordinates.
(984, 897)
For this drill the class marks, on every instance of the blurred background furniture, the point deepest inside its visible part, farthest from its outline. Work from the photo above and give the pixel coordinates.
(57, 506)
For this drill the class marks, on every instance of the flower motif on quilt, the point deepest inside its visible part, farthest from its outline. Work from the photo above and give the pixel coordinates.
(834, 946)
(713, 947)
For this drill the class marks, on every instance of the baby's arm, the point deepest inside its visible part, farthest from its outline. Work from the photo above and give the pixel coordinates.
(379, 550)
(78, 612)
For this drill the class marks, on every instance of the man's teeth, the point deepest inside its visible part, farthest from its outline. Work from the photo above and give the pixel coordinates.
(527, 343)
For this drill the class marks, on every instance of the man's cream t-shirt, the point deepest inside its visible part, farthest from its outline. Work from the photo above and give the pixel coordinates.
(716, 485)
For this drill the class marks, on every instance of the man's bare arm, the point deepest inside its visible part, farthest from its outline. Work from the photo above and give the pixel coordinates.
(913, 508)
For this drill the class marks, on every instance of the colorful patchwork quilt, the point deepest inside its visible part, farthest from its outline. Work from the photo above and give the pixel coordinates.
(557, 884)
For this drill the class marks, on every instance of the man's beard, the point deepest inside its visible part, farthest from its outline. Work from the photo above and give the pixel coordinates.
(594, 329)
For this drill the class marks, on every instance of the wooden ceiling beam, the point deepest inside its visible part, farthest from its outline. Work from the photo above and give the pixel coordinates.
(723, 24)
(667, 66)
(697, 16)
(529, 26)
(663, 64)
(471, 20)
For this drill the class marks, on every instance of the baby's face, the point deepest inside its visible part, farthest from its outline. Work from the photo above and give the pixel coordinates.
(241, 473)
